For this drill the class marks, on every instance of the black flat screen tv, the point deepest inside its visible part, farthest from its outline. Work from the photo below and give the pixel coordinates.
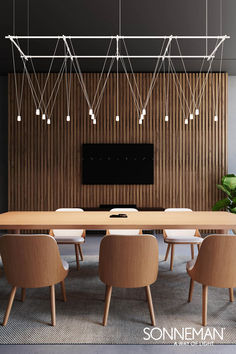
(117, 163)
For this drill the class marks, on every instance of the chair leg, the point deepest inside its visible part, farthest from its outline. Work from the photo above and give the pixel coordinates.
(63, 291)
(192, 251)
(198, 247)
(107, 304)
(172, 256)
(23, 294)
(77, 255)
(81, 253)
(53, 305)
(9, 306)
(167, 252)
(150, 305)
(231, 294)
(191, 287)
(204, 304)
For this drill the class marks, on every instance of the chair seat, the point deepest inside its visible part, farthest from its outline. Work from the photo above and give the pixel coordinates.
(125, 232)
(65, 264)
(190, 264)
(179, 239)
(70, 239)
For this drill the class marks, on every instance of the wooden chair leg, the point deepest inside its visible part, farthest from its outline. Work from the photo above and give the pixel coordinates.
(63, 291)
(191, 286)
(192, 251)
(53, 305)
(198, 247)
(23, 294)
(77, 255)
(81, 253)
(204, 304)
(231, 294)
(107, 304)
(167, 252)
(9, 306)
(172, 256)
(150, 305)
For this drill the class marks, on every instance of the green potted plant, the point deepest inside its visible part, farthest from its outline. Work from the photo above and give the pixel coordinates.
(228, 186)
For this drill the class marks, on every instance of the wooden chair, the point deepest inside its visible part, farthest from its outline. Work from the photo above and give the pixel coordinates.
(71, 237)
(214, 266)
(120, 231)
(128, 262)
(180, 237)
(32, 261)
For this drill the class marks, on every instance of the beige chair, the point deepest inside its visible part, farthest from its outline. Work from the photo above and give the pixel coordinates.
(180, 237)
(32, 261)
(71, 237)
(128, 262)
(120, 231)
(214, 266)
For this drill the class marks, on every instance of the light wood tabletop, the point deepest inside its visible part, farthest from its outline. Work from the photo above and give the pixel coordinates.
(99, 220)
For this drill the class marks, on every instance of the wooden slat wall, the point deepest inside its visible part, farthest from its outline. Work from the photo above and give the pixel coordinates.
(45, 161)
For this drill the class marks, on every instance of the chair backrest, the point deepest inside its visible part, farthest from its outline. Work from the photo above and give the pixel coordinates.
(124, 232)
(128, 261)
(31, 261)
(180, 233)
(72, 233)
(216, 262)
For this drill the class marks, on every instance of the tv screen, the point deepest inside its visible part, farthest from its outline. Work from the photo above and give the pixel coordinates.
(117, 164)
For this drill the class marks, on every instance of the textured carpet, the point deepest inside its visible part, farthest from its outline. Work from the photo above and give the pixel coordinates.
(79, 319)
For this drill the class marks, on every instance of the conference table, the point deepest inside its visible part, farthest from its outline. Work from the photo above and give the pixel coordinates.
(101, 220)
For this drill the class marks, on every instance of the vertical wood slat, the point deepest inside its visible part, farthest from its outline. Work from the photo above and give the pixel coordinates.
(45, 161)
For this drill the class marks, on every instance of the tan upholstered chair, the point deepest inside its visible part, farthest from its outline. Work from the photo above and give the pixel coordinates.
(32, 261)
(70, 237)
(120, 231)
(180, 237)
(214, 266)
(128, 262)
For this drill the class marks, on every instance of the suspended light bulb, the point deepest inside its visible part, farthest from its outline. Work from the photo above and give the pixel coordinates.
(48, 121)
(18, 118)
(117, 118)
(93, 117)
(94, 121)
(186, 121)
(144, 112)
(140, 121)
(68, 118)
(43, 116)
(216, 118)
(166, 118)
(90, 111)
(197, 112)
(37, 112)
(142, 117)
(191, 116)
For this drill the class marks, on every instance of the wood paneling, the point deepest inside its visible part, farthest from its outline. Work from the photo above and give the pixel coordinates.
(45, 160)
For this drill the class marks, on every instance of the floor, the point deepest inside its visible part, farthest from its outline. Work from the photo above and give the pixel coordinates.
(91, 247)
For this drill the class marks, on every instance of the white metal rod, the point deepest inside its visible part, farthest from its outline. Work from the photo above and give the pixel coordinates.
(218, 45)
(120, 37)
(17, 46)
(120, 56)
(67, 47)
(168, 44)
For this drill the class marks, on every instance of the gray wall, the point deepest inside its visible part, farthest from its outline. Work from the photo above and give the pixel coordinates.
(3, 144)
(232, 125)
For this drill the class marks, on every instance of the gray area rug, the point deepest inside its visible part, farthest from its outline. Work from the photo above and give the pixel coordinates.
(79, 319)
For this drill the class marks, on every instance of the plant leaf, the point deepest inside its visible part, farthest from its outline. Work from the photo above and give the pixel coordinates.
(223, 189)
(229, 182)
(221, 204)
(233, 210)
